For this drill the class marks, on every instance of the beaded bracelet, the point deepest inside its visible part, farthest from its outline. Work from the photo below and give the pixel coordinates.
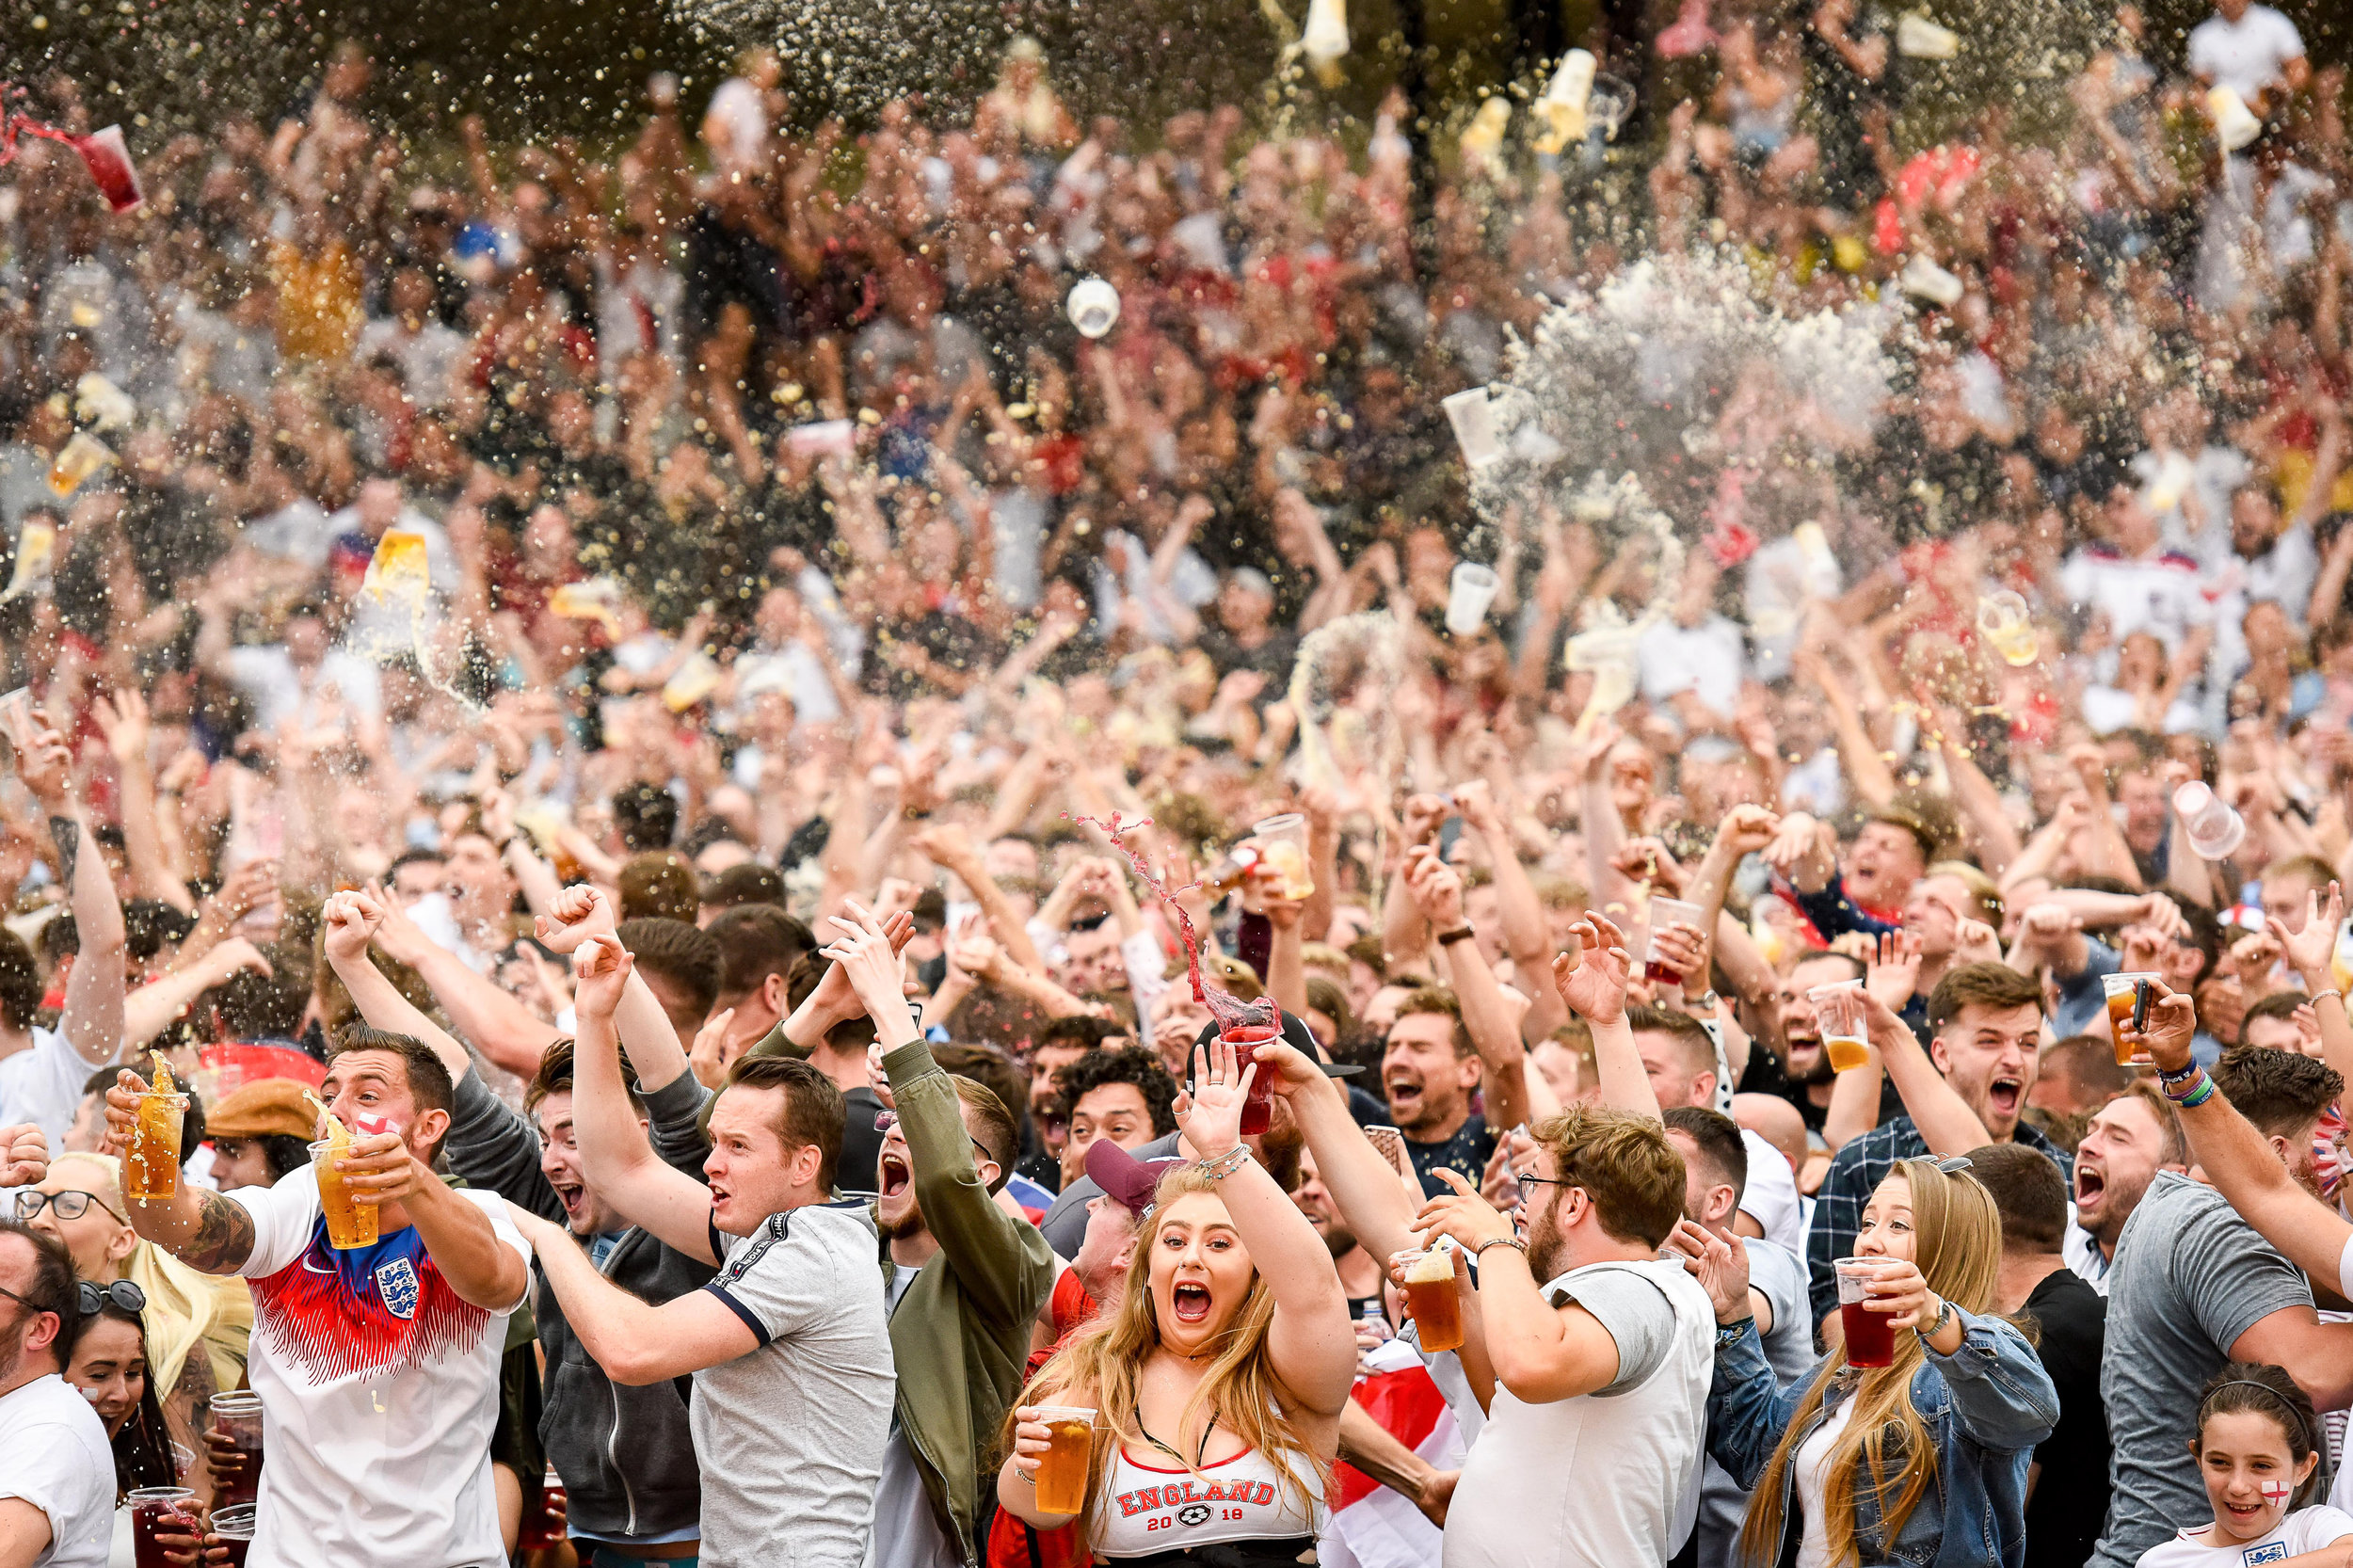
(1218, 1167)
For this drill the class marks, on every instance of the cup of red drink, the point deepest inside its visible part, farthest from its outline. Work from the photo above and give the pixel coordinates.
(236, 1449)
(232, 1528)
(159, 1511)
(1666, 912)
(543, 1524)
(1257, 1106)
(1870, 1336)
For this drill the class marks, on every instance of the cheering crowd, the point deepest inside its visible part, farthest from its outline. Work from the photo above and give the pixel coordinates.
(641, 743)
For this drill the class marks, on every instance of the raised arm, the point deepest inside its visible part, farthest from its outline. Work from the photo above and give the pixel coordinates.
(92, 1021)
(503, 1028)
(637, 1343)
(574, 915)
(1592, 982)
(1364, 1186)
(2238, 1161)
(614, 1148)
(1946, 1122)
(351, 920)
(204, 1229)
(1487, 1018)
(1310, 1345)
(2309, 953)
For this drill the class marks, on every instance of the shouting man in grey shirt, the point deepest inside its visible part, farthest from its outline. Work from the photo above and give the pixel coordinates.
(789, 1347)
(2193, 1287)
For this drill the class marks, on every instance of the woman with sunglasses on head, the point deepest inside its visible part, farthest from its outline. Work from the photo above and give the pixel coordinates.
(1223, 1371)
(1921, 1460)
(197, 1325)
(109, 1367)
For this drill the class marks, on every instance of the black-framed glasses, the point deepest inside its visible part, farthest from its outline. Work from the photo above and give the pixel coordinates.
(1527, 1182)
(72, 1204)
(122, 1293)
(886, 1120)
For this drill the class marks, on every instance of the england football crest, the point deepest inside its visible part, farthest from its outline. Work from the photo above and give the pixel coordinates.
(396, 1286)
(2270, 1551)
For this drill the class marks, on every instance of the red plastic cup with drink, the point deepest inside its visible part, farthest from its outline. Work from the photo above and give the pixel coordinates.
(1666, 912)
(543, 1524)
(159, 1510)
(233, 1528)
(1257, 1106)
(237, 1420)
(1870, 1336)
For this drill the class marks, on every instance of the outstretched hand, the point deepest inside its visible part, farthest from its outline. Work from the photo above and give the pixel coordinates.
(1593, 980)
(1209, 1114)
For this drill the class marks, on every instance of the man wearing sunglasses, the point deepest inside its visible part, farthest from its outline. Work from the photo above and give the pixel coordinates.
(56, 1469)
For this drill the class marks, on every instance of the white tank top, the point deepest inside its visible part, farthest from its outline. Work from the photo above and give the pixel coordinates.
(1147, 1510)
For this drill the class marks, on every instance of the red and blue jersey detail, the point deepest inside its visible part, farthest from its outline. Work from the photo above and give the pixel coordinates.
(334, 1314)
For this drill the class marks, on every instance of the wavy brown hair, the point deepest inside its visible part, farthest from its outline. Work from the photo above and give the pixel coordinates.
(1101, 1363)
(1957, 1247)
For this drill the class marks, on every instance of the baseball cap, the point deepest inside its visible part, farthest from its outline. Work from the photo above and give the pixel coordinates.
(266, 1107)
(1125, 1179)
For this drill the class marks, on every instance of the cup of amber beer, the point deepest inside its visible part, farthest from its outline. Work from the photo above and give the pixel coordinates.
(1838, 1010)
(1062, 1474)
(1430, 1297)
(2123, 992)
(349, 1224)
(150, 1169)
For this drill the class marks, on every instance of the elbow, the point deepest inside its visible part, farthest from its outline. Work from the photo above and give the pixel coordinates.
(635, 1368)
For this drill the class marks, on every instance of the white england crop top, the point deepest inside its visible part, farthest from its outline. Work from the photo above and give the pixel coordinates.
(1147, 1511)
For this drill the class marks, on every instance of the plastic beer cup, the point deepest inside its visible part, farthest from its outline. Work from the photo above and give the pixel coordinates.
(1431, 1297)
(349, 1224)
(154, 1508)
(233, 1528)
(1839, 1010)
(1870, 1336)
(1665, 911)
(1257, 1106)
(1062, 1474)
(238, 1417)
(151, 1170)
(2122, 992)
(1282, 845)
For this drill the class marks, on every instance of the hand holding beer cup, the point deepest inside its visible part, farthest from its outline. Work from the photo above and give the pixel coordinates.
(1593, 980)
(379, 1169)
(1053, 1448)
(122, 1110)
(2172, 1024)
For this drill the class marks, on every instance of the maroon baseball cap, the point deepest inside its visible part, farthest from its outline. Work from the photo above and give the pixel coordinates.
(1130, 1180)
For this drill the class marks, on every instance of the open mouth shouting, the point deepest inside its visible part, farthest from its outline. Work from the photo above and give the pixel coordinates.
(1405, 1091)
(571, 1195)
(893, 1174)
(2005, 1095)
(2091, 1186)
(1191, 1302)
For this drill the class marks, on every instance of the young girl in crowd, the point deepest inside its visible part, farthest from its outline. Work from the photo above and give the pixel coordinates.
(2257, 1450)
(1219, 1375)
(1921, 1460)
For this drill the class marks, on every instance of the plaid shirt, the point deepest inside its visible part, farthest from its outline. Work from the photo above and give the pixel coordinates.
(1854, 1176)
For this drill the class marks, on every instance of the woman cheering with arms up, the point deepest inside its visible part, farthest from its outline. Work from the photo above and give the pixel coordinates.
(1218, 1383)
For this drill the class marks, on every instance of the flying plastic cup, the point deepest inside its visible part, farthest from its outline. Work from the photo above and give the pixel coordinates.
(2233, 121)
(1474, 423)
(1467, 597)
(2214, 828)
(1564, 102)
(1919, 38)
(1093, 307)
(108, 160)
(1325, 37)
(1924, 279)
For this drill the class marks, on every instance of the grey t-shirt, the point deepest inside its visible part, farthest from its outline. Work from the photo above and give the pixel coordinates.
(1778, 1275)
(790, 1435)
(2190, 1276)
(1635, 1310)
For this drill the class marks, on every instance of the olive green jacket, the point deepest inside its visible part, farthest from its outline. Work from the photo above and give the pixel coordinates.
(961, 1334)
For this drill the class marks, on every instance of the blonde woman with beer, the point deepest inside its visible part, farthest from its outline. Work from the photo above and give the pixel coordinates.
(1919, 1460)
(1215, 1388)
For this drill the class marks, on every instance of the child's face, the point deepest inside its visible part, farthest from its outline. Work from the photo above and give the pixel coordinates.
(2250, 1472)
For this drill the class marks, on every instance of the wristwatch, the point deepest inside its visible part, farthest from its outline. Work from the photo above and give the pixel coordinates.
(1706, 1001)
(1943, 1316)
(1460, 934)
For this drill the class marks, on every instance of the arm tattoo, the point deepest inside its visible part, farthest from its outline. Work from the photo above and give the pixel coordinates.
(223, 1238)
(67, 834)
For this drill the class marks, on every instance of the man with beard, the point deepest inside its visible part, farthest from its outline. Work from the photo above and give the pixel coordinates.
(56, 1469)
(1988, 1019)
(2196, 1285)
(1429, 1068)
(624, 1453)
(1716, 1169)
(963, 1277)
(1803, 1074)
(1870, 892)
(2131, 1139)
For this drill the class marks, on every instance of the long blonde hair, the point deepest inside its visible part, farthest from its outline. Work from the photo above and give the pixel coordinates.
(1958, 1245)
(187, 1311)
(1101, 1363)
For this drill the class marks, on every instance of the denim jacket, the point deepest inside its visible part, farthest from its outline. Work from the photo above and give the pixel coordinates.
(1986, 1405)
